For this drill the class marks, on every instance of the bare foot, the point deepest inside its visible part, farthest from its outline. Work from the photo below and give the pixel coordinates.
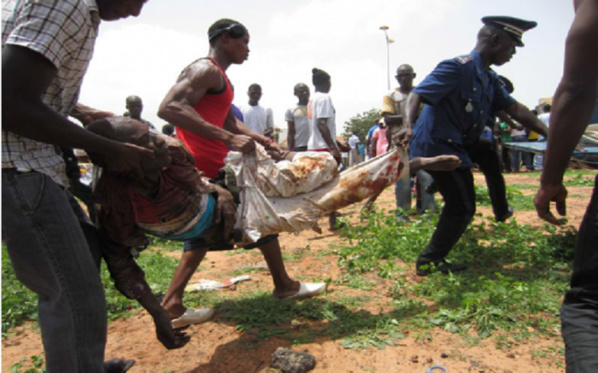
(438, 163)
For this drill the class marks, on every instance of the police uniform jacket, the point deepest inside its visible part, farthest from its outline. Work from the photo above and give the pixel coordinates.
(461, 96)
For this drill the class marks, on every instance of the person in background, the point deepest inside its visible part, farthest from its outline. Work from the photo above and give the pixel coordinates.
(393, 107)
(258, 118)
(297, 121)
(380, 146)
(572, 108)
(354, 154)
(53, 246)
(322, 119)
(134, 108)
(544, 118)
(368, 139)
(519, 134)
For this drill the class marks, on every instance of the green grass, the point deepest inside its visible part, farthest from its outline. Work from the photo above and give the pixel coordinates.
(20, 304)
(512, 290)
(517, 200)
(580, 180)
(517, 274)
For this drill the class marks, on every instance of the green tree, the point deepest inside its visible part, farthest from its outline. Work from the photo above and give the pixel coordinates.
(361, 123)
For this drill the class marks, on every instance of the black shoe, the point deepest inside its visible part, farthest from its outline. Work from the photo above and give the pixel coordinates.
(505, 216)
(118, 365)
(425, 268)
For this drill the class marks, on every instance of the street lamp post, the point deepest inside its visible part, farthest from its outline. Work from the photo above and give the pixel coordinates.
(388, 42)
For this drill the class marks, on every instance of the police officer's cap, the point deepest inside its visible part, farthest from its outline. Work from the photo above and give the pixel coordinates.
(515, 27)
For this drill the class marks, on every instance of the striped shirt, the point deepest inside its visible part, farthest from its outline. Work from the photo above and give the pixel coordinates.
(64, 32)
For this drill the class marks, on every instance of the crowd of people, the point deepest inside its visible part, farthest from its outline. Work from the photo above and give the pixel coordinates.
(149, 178)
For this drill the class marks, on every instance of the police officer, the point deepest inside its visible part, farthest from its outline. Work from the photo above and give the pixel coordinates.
(461, 95)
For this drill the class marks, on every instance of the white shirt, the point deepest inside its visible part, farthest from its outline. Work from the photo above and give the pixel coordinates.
(353, 141)
(321, 107)
(544, 118)
(298, 114)
(258, 118)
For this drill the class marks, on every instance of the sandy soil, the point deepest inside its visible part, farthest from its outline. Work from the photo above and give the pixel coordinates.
(217, 346)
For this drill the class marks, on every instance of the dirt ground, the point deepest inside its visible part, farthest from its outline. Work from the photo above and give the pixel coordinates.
(217, 346)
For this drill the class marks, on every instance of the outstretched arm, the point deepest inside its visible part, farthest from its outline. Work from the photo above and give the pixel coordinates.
(572, 107)
(524, 116)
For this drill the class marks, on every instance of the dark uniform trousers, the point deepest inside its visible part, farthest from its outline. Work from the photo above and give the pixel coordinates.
(489, 162)
(457, 190)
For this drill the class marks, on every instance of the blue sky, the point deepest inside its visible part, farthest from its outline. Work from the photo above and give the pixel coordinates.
(144, 55)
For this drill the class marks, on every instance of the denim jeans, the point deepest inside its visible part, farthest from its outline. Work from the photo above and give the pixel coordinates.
(46, 233)
(517, 155)
(539, 158)
(579, 313)
(403, 192)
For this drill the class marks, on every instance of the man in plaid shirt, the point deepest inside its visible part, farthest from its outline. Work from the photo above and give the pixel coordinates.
(46, 49)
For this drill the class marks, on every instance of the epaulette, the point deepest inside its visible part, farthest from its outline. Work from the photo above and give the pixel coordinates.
(464, 59)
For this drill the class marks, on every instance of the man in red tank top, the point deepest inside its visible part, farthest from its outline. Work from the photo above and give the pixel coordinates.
(199, 105)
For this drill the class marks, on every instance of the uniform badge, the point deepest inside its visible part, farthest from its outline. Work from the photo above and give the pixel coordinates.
(469, 107)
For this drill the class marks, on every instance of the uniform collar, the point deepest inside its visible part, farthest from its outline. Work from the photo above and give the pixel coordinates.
(481, 71)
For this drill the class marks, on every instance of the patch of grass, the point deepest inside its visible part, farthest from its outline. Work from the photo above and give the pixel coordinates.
(579, 180)
(19, 304)
(35, 362)
(517, 274)
(518, 200)
(356, 282)
(265, 316)
(522, 186)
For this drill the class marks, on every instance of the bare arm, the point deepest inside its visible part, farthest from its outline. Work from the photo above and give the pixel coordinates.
(235, 126)
(26, 76)
(572, 107)
(507, 119)
(524, 116)
(192, 85)
(86, 114)
(327, 136)
(291, 135)
(403, 136)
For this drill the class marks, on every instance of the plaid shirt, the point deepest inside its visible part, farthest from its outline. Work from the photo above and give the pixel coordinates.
(64, 32)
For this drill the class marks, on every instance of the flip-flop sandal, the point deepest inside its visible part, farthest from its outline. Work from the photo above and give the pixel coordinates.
(307, 290)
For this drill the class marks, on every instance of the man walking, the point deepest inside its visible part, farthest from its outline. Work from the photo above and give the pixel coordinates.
(199, 105)
(461, 94)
